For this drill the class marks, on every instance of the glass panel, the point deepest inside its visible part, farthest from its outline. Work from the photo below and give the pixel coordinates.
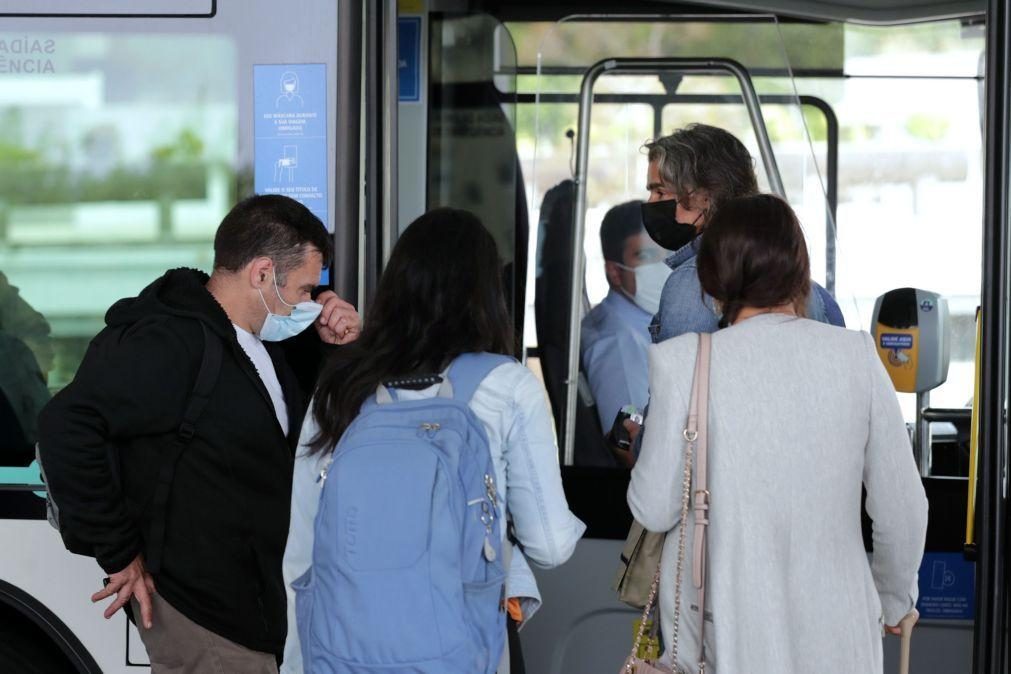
(936, 49)
(809, 45)
(472, 160)
(910, 178)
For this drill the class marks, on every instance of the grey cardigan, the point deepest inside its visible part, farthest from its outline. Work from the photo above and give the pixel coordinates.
(801, 414)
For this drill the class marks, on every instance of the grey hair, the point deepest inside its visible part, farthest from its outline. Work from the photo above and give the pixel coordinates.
(286, 258)
(700, 156)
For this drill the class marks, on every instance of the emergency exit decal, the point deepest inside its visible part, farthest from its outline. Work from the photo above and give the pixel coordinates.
(289, 129)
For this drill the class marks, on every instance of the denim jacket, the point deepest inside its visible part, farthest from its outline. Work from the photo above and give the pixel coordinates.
(684, 307)
(511, 404)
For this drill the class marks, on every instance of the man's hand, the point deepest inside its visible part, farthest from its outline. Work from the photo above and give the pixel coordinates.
(133, 581)
(339, 322)
(626, 457)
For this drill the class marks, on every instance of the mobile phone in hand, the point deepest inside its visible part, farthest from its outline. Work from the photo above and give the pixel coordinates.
(618, 433)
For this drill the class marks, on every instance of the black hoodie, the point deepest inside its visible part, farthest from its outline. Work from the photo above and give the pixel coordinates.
(103, 437)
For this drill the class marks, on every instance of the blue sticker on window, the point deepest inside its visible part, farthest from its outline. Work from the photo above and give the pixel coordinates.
(896, 341)
(289, 129)
(409, 58)
(947, 587)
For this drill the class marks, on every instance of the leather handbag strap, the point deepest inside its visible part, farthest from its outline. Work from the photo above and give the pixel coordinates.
(694, 435)
(696, 441)
(701, 497)
(691, 436)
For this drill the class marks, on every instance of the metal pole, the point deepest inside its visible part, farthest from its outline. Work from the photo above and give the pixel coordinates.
(831, 184)
(374, 63)
(347, 165)
(631, 66)
(921, 446)
(390, 103)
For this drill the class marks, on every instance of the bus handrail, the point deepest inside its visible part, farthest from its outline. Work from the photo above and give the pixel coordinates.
(631, 66)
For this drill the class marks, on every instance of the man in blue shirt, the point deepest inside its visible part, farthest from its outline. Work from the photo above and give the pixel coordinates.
(691, 173)
(615, 334)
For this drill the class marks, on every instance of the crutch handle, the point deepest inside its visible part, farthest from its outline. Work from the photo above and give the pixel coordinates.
(906, 625)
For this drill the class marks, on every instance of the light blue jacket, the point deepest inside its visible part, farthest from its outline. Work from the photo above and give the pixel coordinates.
(614, 339)
(684, 307)
(511, 404)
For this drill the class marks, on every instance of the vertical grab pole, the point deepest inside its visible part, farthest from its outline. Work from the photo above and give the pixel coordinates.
(754, 107)
(578, 228)
(391, 100)
(344, 270)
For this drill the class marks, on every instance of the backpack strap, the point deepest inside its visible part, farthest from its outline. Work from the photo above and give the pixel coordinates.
(207, 377)
(468, 370)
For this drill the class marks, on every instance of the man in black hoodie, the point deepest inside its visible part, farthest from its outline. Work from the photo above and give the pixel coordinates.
(170, 454)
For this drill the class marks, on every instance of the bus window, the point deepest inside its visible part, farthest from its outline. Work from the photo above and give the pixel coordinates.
(124, 140)
(116, 166)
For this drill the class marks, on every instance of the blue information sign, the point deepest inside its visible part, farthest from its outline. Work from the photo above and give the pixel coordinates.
(409, 58)
(947, 587)
(289, 129)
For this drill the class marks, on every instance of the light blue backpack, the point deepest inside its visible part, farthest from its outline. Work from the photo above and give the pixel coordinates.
(407, 575)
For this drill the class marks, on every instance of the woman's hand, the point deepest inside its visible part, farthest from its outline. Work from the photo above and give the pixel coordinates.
(907, 622)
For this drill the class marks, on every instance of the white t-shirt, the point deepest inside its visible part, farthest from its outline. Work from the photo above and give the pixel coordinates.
(257, 353)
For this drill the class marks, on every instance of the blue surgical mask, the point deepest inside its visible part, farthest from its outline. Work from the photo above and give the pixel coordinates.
(277, 328)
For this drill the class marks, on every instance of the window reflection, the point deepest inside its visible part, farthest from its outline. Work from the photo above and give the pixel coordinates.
(26, 352)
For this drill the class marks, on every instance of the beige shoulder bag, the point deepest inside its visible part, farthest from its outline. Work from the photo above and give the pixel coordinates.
(695, 435)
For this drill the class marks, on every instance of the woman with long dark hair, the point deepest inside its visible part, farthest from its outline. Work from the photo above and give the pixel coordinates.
(801, 415)
(439, 297)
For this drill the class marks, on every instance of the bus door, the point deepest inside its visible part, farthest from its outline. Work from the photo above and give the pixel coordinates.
(127, 132)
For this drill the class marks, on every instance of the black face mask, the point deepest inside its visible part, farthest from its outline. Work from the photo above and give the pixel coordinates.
(660, 220)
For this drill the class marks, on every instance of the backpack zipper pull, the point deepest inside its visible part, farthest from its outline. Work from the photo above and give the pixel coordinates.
(488, 519)
(321, 478)
(489, 485)
(430, 429)
(489, 551)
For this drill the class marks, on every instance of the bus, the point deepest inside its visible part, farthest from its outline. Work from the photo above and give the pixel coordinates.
(127, 131)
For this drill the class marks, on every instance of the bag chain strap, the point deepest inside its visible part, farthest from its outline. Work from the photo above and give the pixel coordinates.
(690, 436)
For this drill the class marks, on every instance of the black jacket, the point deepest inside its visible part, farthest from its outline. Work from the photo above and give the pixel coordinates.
(103, 438)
